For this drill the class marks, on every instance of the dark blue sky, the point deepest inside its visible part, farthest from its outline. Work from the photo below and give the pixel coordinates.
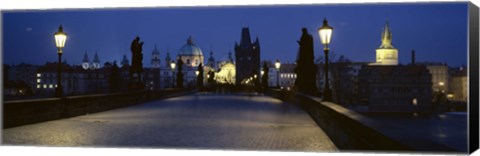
(437, 31)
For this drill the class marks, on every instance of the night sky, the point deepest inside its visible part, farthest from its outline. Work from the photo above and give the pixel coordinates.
(437, 32)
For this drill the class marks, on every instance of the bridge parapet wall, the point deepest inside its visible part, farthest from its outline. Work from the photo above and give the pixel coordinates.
(350, 130)
(22, 112)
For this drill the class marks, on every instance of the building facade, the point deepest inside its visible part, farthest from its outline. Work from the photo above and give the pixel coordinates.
(459, 85)
(440, 77)
(395, 88)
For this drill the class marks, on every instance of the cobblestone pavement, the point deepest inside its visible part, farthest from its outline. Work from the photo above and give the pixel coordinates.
(199, 121)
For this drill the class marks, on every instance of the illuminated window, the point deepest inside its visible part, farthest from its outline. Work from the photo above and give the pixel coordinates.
(39, 75)
(44, 86)
(39, 86)
(50, 86)
(39, 80)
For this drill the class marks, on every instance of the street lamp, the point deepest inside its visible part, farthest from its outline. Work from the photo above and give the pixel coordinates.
(196, 79)
(277, 66)
(172, 66)
(60, 39)
(325, 33)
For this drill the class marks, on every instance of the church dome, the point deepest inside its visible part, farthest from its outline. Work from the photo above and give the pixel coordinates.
(190, 49)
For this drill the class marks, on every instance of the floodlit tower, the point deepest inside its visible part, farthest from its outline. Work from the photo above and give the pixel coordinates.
(386, 53)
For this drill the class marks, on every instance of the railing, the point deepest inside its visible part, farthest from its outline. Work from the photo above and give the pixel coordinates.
(352, 131)
(22, 112)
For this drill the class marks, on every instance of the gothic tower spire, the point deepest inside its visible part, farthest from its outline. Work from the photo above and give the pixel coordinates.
(211, 60)
(386, 53)
(85, 61)
(96, 61)
(155, 57)
(386, 37)
(167, 58)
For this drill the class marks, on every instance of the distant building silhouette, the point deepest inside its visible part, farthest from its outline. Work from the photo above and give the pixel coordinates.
(247, 57)
(211, 61)
(168, 60)
(125, 61)
(155, 58)
(96, 61)
(85, 61)
(86, 64)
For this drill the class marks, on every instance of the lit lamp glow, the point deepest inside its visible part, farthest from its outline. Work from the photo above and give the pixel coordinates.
(325, 33)
(172, 65)
(60, 39)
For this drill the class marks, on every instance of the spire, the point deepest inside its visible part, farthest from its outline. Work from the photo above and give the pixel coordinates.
(190, 40)
(245, 41)
(96, 59)
(155, 50)
(211, 60)
(230, 57)
(386, 37)
(85, 57)
(124, 60)
(211, 56)
(167, 58)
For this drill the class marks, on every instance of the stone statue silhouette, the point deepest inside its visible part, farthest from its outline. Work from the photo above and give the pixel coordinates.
(137, 57)
(306, 69)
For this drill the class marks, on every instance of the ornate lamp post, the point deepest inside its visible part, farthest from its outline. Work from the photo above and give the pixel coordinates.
(261, 76)
(60, 38)
(325, 33)
(172, 66)
(277, 66)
